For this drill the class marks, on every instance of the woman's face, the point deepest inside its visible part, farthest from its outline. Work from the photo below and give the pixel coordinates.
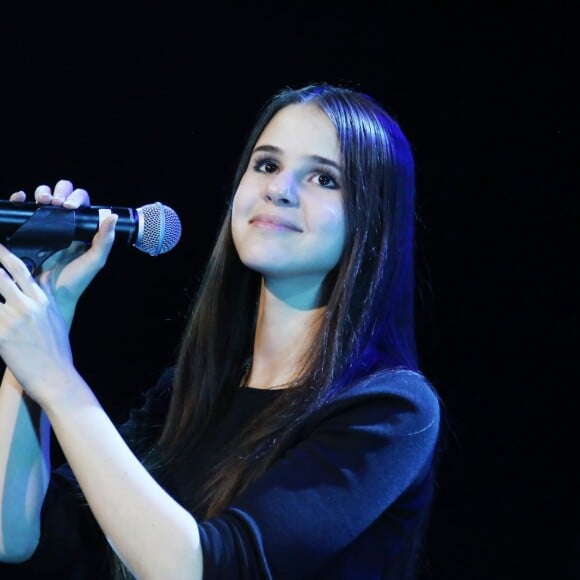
(288, 212)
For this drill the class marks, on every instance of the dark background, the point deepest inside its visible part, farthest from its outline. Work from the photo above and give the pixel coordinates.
(141, 104)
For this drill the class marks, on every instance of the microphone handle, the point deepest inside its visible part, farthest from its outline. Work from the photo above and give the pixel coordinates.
(83, 222)
(34, 232)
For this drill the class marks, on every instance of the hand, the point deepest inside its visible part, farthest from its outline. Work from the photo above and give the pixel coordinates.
(66, 274)
(34, 342)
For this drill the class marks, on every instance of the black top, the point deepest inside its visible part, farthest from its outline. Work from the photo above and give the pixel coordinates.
(349, 498)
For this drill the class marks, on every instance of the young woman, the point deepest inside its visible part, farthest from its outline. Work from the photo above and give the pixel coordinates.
(295, 437)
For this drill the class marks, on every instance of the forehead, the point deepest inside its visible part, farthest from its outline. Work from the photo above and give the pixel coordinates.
(302, 129)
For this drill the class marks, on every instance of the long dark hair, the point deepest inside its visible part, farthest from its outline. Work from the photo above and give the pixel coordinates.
(368, 323)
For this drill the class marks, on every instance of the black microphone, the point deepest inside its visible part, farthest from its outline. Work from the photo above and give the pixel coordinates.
(34, 231)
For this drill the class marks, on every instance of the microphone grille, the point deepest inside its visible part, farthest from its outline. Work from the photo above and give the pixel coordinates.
(159, 229)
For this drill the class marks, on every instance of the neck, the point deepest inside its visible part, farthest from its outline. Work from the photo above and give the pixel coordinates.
(284, 333)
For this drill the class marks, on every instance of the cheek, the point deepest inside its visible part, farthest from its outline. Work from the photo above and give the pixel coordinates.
(331, 224)
(245, 196)
(241, 205)
(334, 216)
(331, 221)
(237, 215)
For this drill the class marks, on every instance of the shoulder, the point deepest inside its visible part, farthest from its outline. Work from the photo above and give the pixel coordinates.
(398, 385)
(402, 399)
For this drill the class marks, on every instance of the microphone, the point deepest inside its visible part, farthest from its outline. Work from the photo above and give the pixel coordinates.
(34, 232)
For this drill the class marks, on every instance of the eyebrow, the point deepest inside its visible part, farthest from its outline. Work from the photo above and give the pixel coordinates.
(315, 158)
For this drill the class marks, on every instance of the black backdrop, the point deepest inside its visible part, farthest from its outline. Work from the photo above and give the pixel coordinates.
(140, 104)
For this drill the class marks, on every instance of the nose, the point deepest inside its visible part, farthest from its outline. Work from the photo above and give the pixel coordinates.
(282, 191)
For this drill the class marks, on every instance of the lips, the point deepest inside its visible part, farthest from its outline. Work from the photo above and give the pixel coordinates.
(274, 222)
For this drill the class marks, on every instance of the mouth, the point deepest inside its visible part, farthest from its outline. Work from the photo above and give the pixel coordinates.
(274, 223)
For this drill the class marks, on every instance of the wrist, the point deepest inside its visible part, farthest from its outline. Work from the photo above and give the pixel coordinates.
(63, 391)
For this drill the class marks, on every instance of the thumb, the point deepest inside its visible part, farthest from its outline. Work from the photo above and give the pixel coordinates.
(102, 242)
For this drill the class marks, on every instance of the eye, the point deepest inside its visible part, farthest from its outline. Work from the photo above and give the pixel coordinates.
(325, 178)
(266, 165)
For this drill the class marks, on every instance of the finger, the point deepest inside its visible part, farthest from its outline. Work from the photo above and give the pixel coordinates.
(8, 289)
(62, 190)
(18, 196)
(17, 270)
(103, 240)
(77, 198)
(107, 227)
(43, 194)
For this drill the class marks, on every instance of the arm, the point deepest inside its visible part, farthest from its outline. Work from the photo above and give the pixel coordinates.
(24, 427)
(149, 530)
(24, 469)
(152, 533)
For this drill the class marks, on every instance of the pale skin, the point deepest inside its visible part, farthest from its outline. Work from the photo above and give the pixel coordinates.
(288, 224)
